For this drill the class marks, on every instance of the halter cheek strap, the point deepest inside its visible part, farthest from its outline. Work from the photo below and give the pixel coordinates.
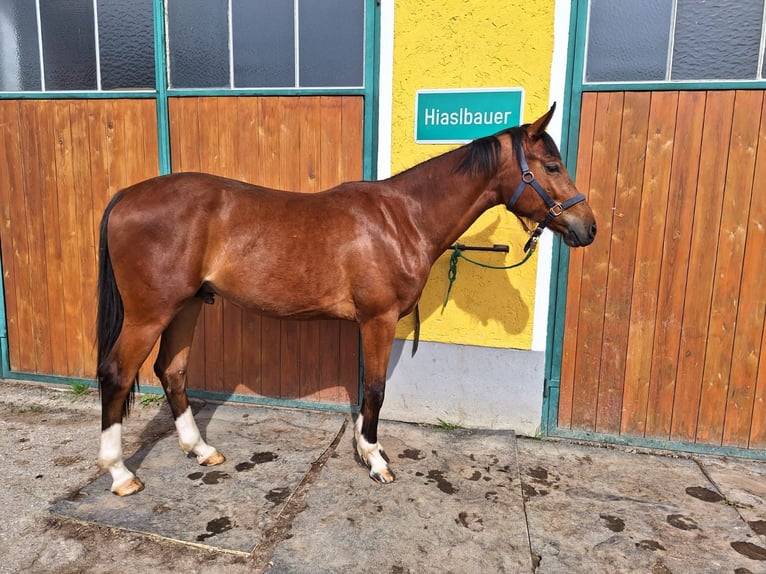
(554, 208)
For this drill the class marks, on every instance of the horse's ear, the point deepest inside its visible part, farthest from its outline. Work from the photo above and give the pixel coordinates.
(537, 128)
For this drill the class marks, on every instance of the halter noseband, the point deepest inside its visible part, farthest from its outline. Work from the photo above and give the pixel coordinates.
(554, 209)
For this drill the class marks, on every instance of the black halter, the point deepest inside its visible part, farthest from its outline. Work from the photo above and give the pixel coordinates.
(554, 209)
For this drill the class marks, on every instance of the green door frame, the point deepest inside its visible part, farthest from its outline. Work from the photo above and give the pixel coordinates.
(160, 94)
(574, 89)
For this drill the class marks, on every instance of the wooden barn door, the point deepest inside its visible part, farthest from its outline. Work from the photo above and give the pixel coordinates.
(60, 162)
(664, 328)
(308, 144)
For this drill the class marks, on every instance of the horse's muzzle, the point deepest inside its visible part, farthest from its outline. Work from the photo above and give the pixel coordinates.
(580, 235)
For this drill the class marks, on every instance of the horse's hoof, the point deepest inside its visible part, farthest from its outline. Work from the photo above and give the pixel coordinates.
(383, 476)
(213, 459)
(129, 487)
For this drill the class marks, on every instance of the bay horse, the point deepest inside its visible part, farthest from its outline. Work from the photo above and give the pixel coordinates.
(360, 251)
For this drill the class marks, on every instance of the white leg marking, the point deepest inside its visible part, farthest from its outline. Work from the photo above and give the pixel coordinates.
(189, 438)
(372, 455)
(110, 457)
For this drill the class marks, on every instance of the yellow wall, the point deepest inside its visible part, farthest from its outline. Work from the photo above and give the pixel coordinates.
(469, 44)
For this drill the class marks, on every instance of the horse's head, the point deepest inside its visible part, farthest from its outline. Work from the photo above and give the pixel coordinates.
(534, 184)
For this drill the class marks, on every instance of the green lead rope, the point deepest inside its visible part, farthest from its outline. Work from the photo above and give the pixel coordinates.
(457, 253)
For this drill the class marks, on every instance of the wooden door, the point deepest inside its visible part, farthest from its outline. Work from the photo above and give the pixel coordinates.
(308, 144)
(60, 162)
(664, 328)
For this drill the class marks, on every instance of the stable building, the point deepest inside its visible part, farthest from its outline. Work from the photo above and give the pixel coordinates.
(654, 335)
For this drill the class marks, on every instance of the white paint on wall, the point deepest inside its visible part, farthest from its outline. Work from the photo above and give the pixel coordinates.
(545, 247)
(385, 88)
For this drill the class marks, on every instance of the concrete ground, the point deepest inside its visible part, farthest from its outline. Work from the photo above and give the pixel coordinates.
(292, 498)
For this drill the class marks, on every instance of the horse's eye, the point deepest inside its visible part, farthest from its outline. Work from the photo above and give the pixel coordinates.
(552, 168)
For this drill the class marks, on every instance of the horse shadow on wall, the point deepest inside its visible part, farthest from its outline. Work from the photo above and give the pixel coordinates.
(493, 299)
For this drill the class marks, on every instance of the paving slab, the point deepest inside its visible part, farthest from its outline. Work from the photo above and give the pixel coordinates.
(607, 510)
(743, 484)
(456, 506)
(227, 507)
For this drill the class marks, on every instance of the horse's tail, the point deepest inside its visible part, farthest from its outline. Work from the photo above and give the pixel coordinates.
(110, 308)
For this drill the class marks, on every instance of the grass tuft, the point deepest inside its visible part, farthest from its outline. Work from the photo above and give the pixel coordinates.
(444, 425)
(77, 388)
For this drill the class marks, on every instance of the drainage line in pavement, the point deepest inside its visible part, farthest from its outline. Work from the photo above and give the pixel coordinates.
(293, 507)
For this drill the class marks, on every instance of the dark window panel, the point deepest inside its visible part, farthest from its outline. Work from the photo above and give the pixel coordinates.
(717, 40)
(331, 40)
(19, 51)
(69, 44)
(628, 40)
(126, 44)
(264, 43)
(198, 35)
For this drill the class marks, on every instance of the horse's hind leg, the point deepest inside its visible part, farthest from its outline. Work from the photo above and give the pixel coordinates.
(116, 377)
(170, 368)
(377, 338)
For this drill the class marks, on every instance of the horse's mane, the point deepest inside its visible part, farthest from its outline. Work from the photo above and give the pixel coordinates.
(483, 155)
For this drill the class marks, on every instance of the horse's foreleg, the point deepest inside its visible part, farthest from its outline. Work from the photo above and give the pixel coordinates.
(170, 368)
(377, 338)
(116, 377)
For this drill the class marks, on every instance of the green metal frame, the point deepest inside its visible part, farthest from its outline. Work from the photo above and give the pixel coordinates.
(560, 264)
(161, 94)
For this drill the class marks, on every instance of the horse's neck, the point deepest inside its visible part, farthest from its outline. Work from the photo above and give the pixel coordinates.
(449, 202)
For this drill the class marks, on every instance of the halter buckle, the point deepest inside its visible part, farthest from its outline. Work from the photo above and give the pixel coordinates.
(527, 177)
(556, 210)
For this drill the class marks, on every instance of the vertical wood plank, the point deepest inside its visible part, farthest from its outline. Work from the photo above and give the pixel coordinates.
(352, 138)
(289, 178)
(675, 256)
(84, 230)
(210, 162)
(150, 142)
(713, 408)
(249, 164)
(184, 156)
(96, 179)
(758, 426)
(128, 165)
(596, 259)
(33, 146)
(754, 246)
(98, 159)
(71, 289)
(349, 377)
(751, 305)
(52, 279)
(116, 145)
(144, 139)
(13, 240)
(228, 148)
(330, 166)
(574, 282)
(269, 138)
(659, 150)
(707, 216)
(309, 172)
(630, 171)
(352, 170)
